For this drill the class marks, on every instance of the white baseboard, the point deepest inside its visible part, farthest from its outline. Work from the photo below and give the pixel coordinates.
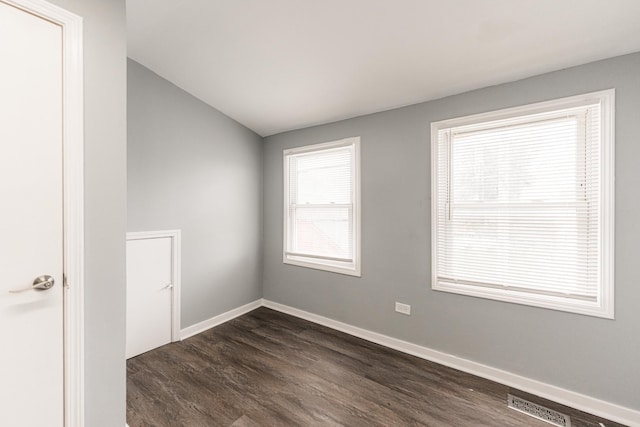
(569, 398)
(192, 330)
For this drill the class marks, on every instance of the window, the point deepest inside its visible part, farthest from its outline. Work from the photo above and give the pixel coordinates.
(522, 204)
(322, 206)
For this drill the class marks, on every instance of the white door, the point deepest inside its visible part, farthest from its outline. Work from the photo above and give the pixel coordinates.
(150, 290)
(31, 322)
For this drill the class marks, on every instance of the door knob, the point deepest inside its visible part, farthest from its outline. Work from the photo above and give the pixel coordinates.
(41, 283)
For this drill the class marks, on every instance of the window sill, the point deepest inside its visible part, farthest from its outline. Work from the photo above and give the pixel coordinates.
(350, 269)
(571, 305)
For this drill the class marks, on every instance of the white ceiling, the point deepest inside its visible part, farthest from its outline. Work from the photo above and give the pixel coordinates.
(277, 65)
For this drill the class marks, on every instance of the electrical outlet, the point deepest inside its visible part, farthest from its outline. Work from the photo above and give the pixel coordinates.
(403, 308)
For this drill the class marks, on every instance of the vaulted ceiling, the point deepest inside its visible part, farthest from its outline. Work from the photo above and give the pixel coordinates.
(277, 65)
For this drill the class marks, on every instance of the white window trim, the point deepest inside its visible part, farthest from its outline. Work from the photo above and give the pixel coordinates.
(604, 305)
(353, 268)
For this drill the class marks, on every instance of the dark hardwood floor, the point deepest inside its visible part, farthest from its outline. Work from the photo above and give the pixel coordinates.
(270, 369)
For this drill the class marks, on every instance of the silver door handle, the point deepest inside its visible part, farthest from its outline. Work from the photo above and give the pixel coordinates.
(41, 283)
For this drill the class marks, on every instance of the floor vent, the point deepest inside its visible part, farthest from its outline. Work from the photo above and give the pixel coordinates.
(538, 411)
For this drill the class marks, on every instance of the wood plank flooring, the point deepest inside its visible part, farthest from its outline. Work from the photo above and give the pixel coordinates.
(270, 369)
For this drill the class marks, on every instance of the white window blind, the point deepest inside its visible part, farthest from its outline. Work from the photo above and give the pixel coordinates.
(519, 206)
(321, 215)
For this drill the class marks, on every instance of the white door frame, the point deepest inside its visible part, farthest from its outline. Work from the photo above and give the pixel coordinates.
(73, 203)
(174, 235)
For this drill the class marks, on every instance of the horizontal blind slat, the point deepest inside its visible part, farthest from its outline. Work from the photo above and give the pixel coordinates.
(518, 202)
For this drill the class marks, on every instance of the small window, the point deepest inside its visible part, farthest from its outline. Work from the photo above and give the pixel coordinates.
(322, 206)
(522, 204)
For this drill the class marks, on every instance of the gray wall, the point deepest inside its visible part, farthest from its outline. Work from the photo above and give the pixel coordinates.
(192, 168)
(105, 52)
(589, 355)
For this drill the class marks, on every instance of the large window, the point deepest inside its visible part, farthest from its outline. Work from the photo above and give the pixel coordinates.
(522, 204)
(322, 206)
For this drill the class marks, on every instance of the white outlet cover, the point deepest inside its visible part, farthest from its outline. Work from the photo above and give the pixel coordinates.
(403, 308)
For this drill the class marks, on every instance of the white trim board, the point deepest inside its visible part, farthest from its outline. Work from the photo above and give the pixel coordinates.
(569, 398)
(192, 330)
(175, 236)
